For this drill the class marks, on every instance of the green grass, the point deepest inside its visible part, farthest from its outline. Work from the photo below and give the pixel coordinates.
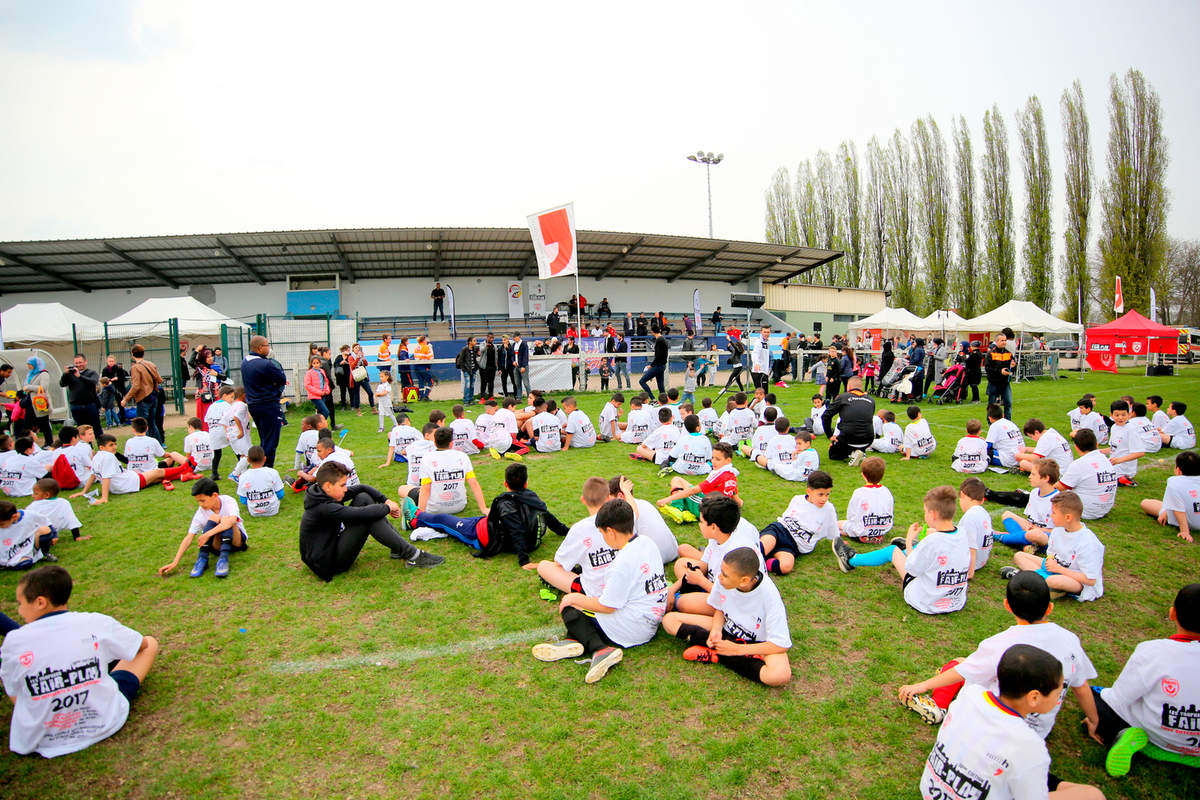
(413, 711)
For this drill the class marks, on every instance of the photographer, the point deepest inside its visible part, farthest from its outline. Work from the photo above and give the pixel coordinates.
(82, 385)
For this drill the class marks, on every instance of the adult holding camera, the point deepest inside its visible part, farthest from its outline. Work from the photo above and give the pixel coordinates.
(83, 393)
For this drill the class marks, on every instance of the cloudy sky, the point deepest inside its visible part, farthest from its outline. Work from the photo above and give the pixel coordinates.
(130, 118)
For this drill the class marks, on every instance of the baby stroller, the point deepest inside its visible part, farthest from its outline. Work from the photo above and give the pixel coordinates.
(893, 375)
(907, 386)
(950, 390)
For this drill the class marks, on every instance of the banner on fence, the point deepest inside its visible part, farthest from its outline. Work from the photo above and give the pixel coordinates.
(516, 300)
(536, 292)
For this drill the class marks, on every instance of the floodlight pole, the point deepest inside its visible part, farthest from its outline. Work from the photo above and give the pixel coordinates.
(708, 160)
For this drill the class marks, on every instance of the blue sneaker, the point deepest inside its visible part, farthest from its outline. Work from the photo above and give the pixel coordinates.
(222, 570)
(200, 565)
(408, 510)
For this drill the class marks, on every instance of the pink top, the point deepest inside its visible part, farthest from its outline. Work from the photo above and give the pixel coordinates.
(316, 384)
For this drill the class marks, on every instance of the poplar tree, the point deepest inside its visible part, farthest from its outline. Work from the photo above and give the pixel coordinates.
(827, 211)
(807, 216)
(1077, 169)
(781, 210)
(905, 291)
(933, 208)
(966, 285)
(850, 195)
(1039, 243)
(997, 213)
(875, 216)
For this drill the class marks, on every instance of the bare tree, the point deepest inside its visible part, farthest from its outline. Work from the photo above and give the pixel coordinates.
(966, 285)
(827, 209)
(900, 222)
(1134, 198)
(851, 212)
(1077, 169)
(876, 203)
(933, 208)
(1178, 289)
(807, 217)
(1039, 241)
(997, 211)
(782, 227)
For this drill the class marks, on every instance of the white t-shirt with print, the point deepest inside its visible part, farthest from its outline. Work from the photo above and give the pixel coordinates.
(638, 425)
(202, 516)
(18, 475)
(802, 465)
(636, 586)
(744, 535)
(1159, 419)
(692, 454)
(1006, 438)
(57, 511)
(1124, 440)
(708, 419)
(650, 523)
(120, 480)
(870, 514)
(781, 449)
(240, 412)
(79, 456)
(216, 418)
(57, 669)
(809, 524)
(890, 441)
(1093, 477)
(198, 445)
(1054, 446)
(976, 525)
(1082, 552)
(446, 472)
(143, 453)
(464, 432)
(754, 616)
(970, 455)
(1157, 691)
(414, 453)
(1182, 494)
(584, 546)
(1151, 442)
(260, 487)
(939, 564)
(1037, 508)
(816, 416)
(342, 457)
(742, 424)
(1183, 435)
(508, 419)
(401, 436)
(608, 415)
(579, 425)
(918, 439)
(548, 431)
(759, 439)
(18, 542)
(1092, 421)
(662, 441)
(306, 450)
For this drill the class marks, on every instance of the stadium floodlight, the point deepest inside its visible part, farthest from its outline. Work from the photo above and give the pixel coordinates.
(708, 160)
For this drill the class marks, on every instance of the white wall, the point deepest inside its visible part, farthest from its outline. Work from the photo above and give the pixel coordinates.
(406, 297)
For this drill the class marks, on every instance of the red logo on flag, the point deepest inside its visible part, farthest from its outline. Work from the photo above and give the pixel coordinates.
(556, 230)
(1119, 298)
(1170, 686)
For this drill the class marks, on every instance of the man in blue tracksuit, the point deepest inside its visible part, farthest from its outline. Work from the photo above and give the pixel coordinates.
(264, 380)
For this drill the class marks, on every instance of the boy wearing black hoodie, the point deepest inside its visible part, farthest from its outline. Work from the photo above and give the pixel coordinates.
(515, 522)
(332, 533)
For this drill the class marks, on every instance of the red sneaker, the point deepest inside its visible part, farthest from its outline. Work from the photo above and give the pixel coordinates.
(190, 476)
(701, 654)
(168, 486)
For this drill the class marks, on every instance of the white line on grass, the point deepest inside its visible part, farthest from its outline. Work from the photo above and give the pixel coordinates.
(395, 657)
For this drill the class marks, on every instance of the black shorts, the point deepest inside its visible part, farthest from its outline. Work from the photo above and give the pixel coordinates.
(214, 545)
(686, 587)
(907, 580)
(127, 683)
(783, 539)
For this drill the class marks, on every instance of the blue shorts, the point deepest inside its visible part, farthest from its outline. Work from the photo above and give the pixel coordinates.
(784, 542)
(127, 683)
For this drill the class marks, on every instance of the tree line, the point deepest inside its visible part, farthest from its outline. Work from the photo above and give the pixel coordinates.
(933, 223)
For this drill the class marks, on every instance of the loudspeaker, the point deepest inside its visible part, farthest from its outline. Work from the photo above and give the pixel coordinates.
(816, 327)
(1157, 370)
(747, 300)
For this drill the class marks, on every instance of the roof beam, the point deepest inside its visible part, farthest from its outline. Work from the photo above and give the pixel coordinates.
(700, 262)
(619, 259)
(146, 268)
(437, 259)
(803, 270)
(40, 270)
(249, 270)
(528, 265)
(758, 272)
(345, 262)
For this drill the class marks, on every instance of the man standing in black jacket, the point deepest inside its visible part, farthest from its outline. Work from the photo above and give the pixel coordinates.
(264, 380)
(855, 429)
(487, 368)
(82, 394)
(117, 374)
(658, 365)
(332, 534)
(999, 367)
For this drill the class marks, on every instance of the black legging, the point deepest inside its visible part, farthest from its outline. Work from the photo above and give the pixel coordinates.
(735, 375)
(585, 630)
(351, 540)
(365, 386)
(746, 666)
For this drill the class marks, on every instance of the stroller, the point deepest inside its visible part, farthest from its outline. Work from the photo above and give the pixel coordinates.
(893, 375)
(908, 385)
(953, 384)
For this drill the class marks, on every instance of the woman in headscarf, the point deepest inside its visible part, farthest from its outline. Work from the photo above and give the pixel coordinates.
(37, 399)
(210, 383)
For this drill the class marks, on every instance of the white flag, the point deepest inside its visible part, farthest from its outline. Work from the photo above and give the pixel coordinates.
(553, 233)
(1153, 306)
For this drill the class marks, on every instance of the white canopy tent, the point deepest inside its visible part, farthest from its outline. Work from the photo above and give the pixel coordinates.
(47, 322)
(1022, 316)
(945, 322)
(889, 319)
(195, 318)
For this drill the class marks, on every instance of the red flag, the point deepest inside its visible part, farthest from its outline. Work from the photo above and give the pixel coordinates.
(1119, 298)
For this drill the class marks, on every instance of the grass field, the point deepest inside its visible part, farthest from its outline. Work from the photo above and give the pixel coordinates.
(419, 683)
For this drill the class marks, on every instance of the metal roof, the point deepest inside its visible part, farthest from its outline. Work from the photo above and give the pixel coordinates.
(436, 253)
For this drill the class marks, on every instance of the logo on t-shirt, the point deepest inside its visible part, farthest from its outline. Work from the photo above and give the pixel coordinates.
(962, 781)
(52, 680)
(26, 659)
(1181, 718)
(1170, 687)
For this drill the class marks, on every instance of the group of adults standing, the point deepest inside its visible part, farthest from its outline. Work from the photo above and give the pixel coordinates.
(506, 357)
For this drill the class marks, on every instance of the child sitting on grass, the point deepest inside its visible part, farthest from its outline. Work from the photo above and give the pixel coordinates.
(757, 446)
(1033, 529)
(871, 511)
(890, 438)
(1003, 437)
(1091, 476)
(583, 548)
(1180, 505)
(402, 435)
(466, 438)
(610, 416)
(578, 431)
(25, 537)
(545, 429)
(741, 423)
(1028, 600)
(987, 748)
(975, 522)
(971, 452)
(1125, 445)
(627, 611)
(695, 572)
(1047, 443)
(934, 568)
(805, 459)
(748, 631)
(216, 527)
(658, 445)
(814, 422)
(708, 416)
(20, 470)
(1084, 416)
(808, 519)
(1178, 433)
(1074, 561)
(781, 446)
(682, 504)
(88, 669)
(197, 446)
(114, 478)
(692, 454)
(918, 439)
(260, 489)
(54, 509)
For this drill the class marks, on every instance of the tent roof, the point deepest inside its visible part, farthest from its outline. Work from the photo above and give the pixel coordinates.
(945, 319)
(1021, 315)
(195, 318)
(1134, 324)
(435, 253)
(46, 322)
(890, 319)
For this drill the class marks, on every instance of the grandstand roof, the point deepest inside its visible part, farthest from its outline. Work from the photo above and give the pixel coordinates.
(434, 253)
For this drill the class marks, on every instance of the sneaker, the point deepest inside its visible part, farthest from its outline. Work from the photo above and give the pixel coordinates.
(557, 651)
(408, 512)
(1120, 755)
(926, 709)
(200, 565)
(855, 458)
(700, 654)
(168, 486)
(900, 542)
(222, 570)
(425, 559)
(1007, 573)
(636, 457)
(665, 471)
(602, 662)
(672, 513)
(190, 476)
(1125, 480)
(49, 558)
(843, 553)
(494, 453)
(514, 456)
(690, 517)
(781, 385)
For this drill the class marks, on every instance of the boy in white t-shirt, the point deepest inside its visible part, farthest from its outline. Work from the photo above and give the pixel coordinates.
(1003, 437)
(1084, 416)
(306, 459)
(1125, 445)
(918, 439)
(238, 430)
(741, 424)
(1028, 600)
(986, 747)
(20, 470)
(708, 416)
(74, 650)
(805, 459)
(260, 489)
(1033, 528)
(1151, 441)
(971, 452)
(545, 429)
(1152, 706)
(638, 423)
(661, 441)
(935, 568)
(890, 438)
(1180, 505)
(466, 438)
(871, 511)
(692, 454)
(1048, 443)
(54, 509)
(610, 419)
(216, 422)
(723, 528)
(216, 527)
(975, 522)
(627, 611)
(402, 435)
(446, 475)
(814, 421)
(780, 451)
(757, 445)
(583, 547)
(328, 451)
(759, 402)
(1074, 561)
(579, 431)
(748, 631)
(142, 452)
(1178, 433)
(807, 520)
(115, 479)
(1091, 476)
(25, 537)
(1154, 410)
(413, 454)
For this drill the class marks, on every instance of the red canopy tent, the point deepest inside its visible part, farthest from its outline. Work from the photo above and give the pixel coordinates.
(1131, 334)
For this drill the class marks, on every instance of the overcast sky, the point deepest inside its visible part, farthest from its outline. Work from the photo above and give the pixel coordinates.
(131, 118)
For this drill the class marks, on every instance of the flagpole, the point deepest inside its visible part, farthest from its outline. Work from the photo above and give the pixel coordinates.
(578, 323)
